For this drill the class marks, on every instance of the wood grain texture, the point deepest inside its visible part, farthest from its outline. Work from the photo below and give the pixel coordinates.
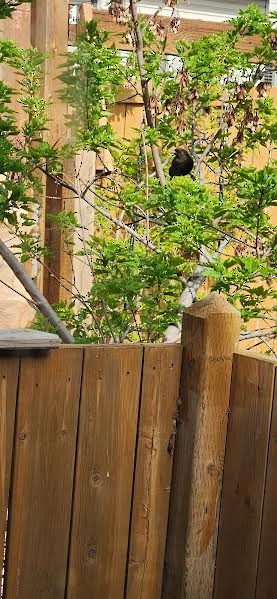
(244, 477)
(40, 506)
(104, 475)
(210, 331)
(67, 249)
(49, 33)
(189, 30)
(267, 570)
(17, 29)
(160, 392)
(8, 389)
(85, 166)
(85, 15)
(27, 339)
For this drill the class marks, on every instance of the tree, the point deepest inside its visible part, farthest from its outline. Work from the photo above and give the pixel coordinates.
(21, 153)
(157, 240)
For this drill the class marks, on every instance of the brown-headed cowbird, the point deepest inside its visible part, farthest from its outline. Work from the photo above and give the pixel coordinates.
(182, 164)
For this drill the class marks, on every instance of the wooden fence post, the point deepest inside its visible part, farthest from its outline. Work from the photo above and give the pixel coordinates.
(49, 33)
(210, 331)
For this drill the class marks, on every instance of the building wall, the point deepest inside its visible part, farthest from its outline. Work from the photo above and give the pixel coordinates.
(14, 309)
(205, 10)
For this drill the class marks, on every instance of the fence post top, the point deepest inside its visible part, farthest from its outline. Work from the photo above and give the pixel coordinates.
(214, 303)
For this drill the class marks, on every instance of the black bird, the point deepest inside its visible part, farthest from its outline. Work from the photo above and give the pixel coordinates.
(182, 164)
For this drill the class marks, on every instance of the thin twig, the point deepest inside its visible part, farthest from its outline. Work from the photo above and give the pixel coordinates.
(145, 91)
(27, 299)
(103, 212)
(36, 296)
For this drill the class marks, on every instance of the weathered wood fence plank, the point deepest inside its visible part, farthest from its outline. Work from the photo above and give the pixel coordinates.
(267, 571)
(244, 477)
(41, 493)
(210, 331)
(104, 476)
(8, 390)
(160, 392)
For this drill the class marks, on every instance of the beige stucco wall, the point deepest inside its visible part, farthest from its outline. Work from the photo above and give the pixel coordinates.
(14, 309)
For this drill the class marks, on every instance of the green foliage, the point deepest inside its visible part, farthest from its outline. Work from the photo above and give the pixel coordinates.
(134, 296)
(217, 104)
(140, 291)
(93, 78)
(8, 6)
(242, 280)
(22, 150)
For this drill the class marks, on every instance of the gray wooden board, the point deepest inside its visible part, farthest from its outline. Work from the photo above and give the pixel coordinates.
(27, 339)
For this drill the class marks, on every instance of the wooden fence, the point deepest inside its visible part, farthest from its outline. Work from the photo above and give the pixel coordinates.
(87, 448)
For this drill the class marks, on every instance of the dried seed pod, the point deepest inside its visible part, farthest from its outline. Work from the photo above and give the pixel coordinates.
(182, 78)
(179, 104)
(193, 95)
(168, 107)
(272, 38)
(240, 92)
(181, 124)
(174, 24)
(120, 12)
(239, 159)
(155, 104)
(158, 29)
(239, 138)
(262, 89)
(128, 38)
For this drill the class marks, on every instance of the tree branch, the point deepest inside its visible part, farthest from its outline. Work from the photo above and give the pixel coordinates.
(193, 284)
(145, 91)
(39, 300)
(116, 221)
(258, 333)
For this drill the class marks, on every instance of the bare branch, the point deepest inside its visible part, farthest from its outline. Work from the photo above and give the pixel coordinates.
(193, 284)
(39, 300)
(116, 221)
(145, 90)
(27, 299)
(258, 333)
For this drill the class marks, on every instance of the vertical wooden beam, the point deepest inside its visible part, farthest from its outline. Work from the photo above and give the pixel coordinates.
(104, 472)
(267, 571)
(210, 331)
(86, 14)
(43, 471)
(155, 447)
(49, 33)
(244, 479)
(9, 367)
(85, 170)
(17, 29)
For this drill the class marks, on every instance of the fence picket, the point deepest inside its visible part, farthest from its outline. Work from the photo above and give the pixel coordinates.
(104, 472)
(244, 476)
(8, 389)
(160, 391)
(41, 493)
(267, 571)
